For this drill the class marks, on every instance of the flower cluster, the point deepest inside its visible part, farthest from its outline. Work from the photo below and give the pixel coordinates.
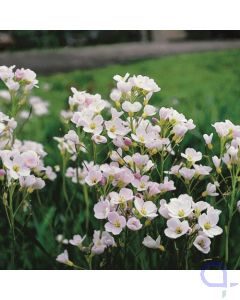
(132, 179)
(22, 168)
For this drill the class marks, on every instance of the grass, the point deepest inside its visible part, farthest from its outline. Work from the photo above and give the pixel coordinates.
(205, 87)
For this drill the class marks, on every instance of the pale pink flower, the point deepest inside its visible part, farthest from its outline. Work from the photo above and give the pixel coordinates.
(174, 170)
(116, 223)
(101, 240)
(101, 209)
(146, 209)
(77, 240)
(122, 197)
(123, 177)
(64, 259)
(186, 173)
(202, 170)
(199, 206)
(222, 128)
(142, 136)
(93, 177)
(99, 139)
(30, 159)
(180, 207)
(167, 185)
(163, 209)
(208, 223)
(176, 228)
(149, 242)
(6, 72)
(51, 175)
(148, 111)
(27, 76)
(216, 162)
(192, 155)
(115, 128)
(153, 188)
(142, 183)
(208, 139)
(116, 95)
(210, 190)
(93, 125)
(134, 224)
(165, 113)
(179, 130)
(16, 166)
(202, 243)
(131, 107)
(122, 83)
(145, 83)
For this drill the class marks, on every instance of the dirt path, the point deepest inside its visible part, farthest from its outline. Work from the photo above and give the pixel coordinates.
(67, 59)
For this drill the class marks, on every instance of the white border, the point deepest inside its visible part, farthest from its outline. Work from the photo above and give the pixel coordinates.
(123, 14)
(116, 285)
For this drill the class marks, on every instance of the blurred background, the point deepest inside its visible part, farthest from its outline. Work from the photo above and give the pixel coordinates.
(40, 39)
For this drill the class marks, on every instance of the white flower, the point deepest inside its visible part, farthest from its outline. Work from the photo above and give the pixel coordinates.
(16, 166)
(6, 73)
(30, 159)
(131, 107)
(208, 140)
(77, 240)
(202, 243)
(186, 173)
(176, 228)
(115, 95)
(116, 223)
(134, 224)
(93, 177)
(217, 163)
(180, 207)
(123, 196)
(64, 259)
(148, 111)
(99, 139)
(145, 83)
(202, 170)
(146, 209)
(199, 206)
(210, 190)
(101, 240)
(208, 223)
(192, 155)
(163, 209)
(149, 242)
(101, 209)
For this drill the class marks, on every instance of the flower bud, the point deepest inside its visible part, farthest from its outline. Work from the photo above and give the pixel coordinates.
(127, 141)
(148, 222)
(2, 174)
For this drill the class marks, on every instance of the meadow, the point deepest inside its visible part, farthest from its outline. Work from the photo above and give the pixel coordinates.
(204, 87)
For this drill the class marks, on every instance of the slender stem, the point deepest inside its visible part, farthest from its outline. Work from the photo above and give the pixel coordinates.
(231, 213)
(64, 185)
(86, 199)
(237, 263)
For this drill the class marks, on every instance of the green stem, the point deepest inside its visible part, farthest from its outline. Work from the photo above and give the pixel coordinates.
(230, 210)
(65, 187)
(86, 199)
